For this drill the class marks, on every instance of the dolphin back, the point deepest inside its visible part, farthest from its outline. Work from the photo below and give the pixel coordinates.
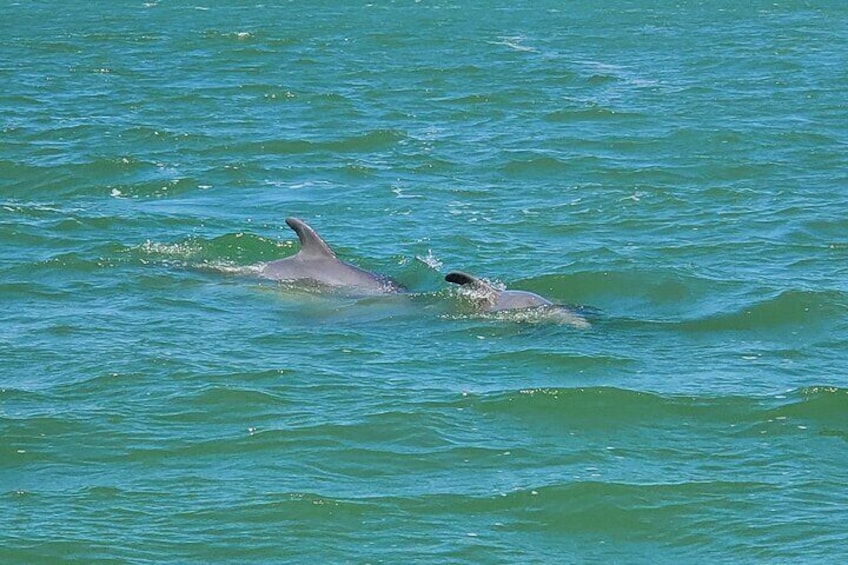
(315, 262)
(493, 299)
(463, 279)
(311, 244)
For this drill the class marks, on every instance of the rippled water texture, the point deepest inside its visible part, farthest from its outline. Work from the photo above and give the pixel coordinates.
(675, 173)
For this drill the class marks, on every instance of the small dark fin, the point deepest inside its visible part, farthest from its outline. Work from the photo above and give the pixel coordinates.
(310, 243)
(456, 277)
(479, 287)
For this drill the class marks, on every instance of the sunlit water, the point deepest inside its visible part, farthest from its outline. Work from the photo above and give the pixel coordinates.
(675, 173)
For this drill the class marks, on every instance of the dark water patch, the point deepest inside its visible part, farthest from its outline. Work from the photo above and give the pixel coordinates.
(52, 216)
(438, 166)
(214, 402)
(601, 79)
(532, 164)
(26, 180)
(150, 142)
(824, 406)
(631, 292)
(700, 512)
(168, 184)
(58, 436)
(117, 176)
(384, 429)
(358, 170)
(104, 387)
(606, 405)
(576, 403)
(815, 409)
(695, 302)
(347, 447)
(71, 262)
(561, 362)
(584, 512)
(20, 403)
(373, 141)
(59, 277)
(796, 311)
(584, 506)
(592, 113)
(467, 100)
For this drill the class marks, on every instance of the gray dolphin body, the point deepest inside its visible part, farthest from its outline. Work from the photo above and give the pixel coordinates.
(316, 262)
(490, 299)
(494, 300)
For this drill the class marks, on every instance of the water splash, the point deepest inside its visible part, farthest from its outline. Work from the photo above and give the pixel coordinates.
(431, 261)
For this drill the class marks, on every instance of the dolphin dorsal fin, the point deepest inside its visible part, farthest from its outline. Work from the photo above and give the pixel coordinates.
(460, 278)
(311, 244)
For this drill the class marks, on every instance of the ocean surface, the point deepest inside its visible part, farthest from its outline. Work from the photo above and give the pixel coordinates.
(677, 171)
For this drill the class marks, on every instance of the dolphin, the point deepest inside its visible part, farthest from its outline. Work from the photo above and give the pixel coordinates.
(490, 299)
(316, 262)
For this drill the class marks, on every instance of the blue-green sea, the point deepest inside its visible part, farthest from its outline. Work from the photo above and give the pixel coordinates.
(676, 171)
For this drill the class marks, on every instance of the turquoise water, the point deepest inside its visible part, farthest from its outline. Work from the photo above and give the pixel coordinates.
(677, 170)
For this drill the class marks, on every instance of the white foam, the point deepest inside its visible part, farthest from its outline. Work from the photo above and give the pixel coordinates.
(431, 260)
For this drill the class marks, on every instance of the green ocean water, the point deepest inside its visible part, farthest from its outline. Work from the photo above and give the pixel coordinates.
(677, 170)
